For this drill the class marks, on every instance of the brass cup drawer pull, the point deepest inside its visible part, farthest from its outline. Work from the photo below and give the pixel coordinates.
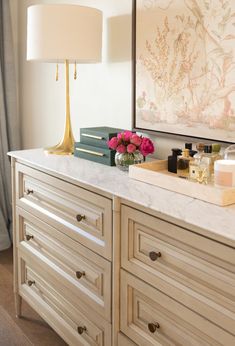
(152, 327)
(79, 274)
(81, 330)
(28, 237)
(29, 192)
(154, 255)
(30, 283)
(80, 217)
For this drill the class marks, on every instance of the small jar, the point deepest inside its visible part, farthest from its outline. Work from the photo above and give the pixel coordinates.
(224, 173)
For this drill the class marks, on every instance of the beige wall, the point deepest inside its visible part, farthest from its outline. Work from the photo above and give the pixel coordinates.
(100, 96)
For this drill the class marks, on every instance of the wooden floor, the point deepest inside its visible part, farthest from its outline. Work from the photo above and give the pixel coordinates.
(30, 328)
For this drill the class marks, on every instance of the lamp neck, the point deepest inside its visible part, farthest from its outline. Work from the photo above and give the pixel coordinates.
(68, 128)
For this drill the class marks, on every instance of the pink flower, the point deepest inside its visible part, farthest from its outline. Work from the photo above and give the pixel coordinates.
(136, 140)
(127, 136)
(131, 148)
(146, 147)
(120, 135)
(113, 143)
(121, 149)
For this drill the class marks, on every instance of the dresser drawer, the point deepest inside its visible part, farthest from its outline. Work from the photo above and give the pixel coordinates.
(150, 317)
(81, 271)
(192, 269)
(75, 326)
(81, 214)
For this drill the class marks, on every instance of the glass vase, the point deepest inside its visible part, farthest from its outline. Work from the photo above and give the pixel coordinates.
(123, 161)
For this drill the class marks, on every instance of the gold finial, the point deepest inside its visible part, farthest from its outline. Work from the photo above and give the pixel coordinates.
(75, 70)
(57, 73)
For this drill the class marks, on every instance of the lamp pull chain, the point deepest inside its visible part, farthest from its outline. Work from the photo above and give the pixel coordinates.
(57, 73)
(75, 70)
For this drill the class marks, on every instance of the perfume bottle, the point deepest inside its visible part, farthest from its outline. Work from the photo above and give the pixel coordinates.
(229, 153)
(189, 147)
(216, 152)
(194, 165)
(206, 165)
(183, 164)
(200, 150)
(172, 160)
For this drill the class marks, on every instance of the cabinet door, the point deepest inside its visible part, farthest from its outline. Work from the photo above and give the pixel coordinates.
(149, 317)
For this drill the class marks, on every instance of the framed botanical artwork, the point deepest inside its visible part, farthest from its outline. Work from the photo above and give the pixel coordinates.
(184, 67)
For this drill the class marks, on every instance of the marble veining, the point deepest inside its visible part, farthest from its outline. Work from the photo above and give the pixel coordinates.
(220, 221)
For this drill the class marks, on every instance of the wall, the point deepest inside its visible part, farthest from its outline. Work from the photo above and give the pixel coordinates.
(100, 96)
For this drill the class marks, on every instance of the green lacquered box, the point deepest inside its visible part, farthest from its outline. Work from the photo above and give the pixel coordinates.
(97, 154)
(98, 136)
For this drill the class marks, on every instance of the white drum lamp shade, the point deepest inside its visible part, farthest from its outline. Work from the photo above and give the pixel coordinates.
(64, 32)
(69, 34)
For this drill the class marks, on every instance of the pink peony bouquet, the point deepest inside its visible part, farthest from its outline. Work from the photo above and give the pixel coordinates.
(129, 142)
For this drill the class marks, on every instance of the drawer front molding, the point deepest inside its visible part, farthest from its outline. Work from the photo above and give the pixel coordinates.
(170, 259)
(149, 317)
(83, 272)
(84, 215)
(80, 329)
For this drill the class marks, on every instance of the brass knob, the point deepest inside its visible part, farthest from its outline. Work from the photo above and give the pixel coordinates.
(80, 217)
(28, 192)
(153, 327)
(80, 274)
(28, 237)
(30, 283)
(81, 330)
(154, 255)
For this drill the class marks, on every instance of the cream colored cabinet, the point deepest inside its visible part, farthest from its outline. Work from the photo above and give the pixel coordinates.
(63, 252)
(191, 300)
(103, 271)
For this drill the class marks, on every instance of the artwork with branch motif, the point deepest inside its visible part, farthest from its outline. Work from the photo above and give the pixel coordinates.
(185, 67)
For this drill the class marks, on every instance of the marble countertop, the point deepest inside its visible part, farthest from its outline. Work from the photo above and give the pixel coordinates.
(220, 221)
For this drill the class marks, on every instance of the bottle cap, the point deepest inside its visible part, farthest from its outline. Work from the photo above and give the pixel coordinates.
(176, 151)
(186, 152)
(208, 149)
(188, 146)
(216, 147)
(200, 146)
(193, 152)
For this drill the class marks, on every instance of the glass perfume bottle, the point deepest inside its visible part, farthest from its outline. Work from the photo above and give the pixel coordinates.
(189, 147)
(200, 150)
(216, 152)
(172, 160)
(183, 164)
(206, 165)
(194, 165)
(229, 153)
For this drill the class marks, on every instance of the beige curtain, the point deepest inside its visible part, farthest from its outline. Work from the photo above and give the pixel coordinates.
(9, 122)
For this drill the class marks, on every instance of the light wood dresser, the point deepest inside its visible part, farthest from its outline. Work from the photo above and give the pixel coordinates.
(109, 261)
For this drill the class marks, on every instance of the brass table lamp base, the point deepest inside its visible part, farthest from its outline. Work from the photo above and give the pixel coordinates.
(63, 148)
(66, 145)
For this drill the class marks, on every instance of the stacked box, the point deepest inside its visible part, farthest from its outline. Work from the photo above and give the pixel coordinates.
(93, 144)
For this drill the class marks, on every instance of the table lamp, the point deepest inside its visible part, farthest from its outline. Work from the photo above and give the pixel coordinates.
(69, 34)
